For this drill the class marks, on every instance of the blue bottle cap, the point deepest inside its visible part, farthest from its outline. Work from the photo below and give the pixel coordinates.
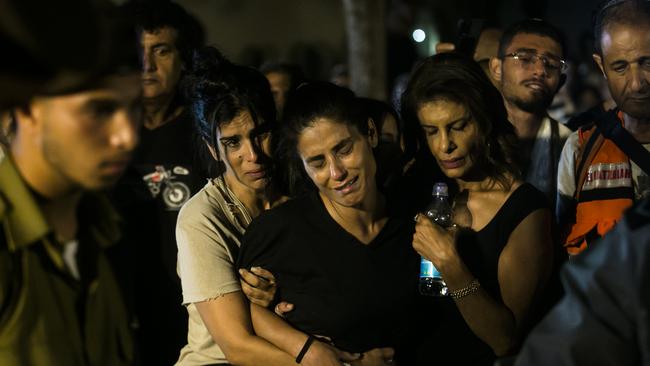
(440, 189)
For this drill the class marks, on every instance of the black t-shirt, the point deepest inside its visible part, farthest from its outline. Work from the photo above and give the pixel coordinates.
(449, 340)
(164, 173)
(358, 295)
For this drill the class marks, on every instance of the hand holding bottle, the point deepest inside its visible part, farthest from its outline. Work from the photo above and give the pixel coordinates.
(434, 242)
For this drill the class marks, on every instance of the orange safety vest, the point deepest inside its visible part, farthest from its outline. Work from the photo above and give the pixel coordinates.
(604, 188)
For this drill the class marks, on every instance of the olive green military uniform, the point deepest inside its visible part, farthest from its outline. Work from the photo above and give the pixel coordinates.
(47, 316)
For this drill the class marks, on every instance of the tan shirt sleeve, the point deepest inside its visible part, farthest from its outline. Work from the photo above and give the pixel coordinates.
(205, 252)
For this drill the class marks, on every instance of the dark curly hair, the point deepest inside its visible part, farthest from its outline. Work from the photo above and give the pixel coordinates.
(218, 90)
(538, 27)
(151, 15)
(453, 77)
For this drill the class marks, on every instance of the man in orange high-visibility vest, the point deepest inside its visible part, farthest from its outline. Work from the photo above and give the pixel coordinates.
(597, 180)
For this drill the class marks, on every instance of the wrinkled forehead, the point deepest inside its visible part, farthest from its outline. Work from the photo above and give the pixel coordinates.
(167, 35)
(243, 124)
(441, 112)
(632, 35)
(324, 134)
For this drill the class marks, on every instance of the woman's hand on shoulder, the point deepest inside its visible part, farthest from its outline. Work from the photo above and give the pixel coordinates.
(434, 242)
(260, 288)
(258, 285)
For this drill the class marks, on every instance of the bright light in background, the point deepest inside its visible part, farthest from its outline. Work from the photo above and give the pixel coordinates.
(419, 35)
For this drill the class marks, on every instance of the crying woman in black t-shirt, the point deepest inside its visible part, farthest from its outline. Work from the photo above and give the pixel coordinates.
(337, 252)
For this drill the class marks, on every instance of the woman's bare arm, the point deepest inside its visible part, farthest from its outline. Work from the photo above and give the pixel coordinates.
(274, 329)
(524, 268)
(230, 323)
(227, 318)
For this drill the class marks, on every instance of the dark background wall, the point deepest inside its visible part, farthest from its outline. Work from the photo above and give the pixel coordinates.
(312, 32)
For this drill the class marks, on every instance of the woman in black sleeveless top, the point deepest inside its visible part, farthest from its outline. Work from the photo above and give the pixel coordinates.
(497, 261)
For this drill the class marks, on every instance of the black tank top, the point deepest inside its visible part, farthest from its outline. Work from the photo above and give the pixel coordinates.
(448, 339)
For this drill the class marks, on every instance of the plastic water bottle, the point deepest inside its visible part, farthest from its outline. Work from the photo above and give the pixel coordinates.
(440, 212)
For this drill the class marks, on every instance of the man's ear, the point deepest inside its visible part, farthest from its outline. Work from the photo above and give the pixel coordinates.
(26, 114)
(599, 61)
(373, 134)
(495, 68)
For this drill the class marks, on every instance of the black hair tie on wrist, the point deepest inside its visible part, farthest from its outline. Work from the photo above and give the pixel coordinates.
(305, 348)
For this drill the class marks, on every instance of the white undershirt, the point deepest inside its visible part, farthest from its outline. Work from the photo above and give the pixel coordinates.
(70, 249)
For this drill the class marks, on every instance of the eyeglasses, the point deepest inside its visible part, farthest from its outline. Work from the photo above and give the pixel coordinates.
(528, 59)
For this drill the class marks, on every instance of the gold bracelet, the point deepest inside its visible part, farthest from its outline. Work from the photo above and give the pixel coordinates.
(464, 291)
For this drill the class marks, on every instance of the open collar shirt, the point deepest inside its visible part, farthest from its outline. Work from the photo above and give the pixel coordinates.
(49, 316)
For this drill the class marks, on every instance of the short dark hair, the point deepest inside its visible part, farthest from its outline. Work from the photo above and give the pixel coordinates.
(117, 54)
(310, 102)
(453, 77)
(57, 54)
(151, 15)
(531, 26)
(296, 76)
(631, 12)
(218, 90)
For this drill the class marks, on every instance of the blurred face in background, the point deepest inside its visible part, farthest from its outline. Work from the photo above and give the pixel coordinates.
(84, 140)
(389, 130)
(280, 84)
(161, 63)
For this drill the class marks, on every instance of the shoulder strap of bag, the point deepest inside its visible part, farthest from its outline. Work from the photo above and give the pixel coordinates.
(586, 155)
(612, 129)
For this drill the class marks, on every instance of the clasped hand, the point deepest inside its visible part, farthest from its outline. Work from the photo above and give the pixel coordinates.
(434, 242)
(260, 288)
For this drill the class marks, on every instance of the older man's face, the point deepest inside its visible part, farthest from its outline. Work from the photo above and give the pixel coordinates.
(625, 62)
(161, 63)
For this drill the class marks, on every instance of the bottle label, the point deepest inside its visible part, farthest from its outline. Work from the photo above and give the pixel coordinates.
(427, 269)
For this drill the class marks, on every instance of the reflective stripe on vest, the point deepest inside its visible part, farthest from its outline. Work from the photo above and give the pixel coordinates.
(606, 192)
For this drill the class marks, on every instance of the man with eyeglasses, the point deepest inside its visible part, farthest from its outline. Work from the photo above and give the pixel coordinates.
(604, 166)
(603, 319)
(529, 71)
